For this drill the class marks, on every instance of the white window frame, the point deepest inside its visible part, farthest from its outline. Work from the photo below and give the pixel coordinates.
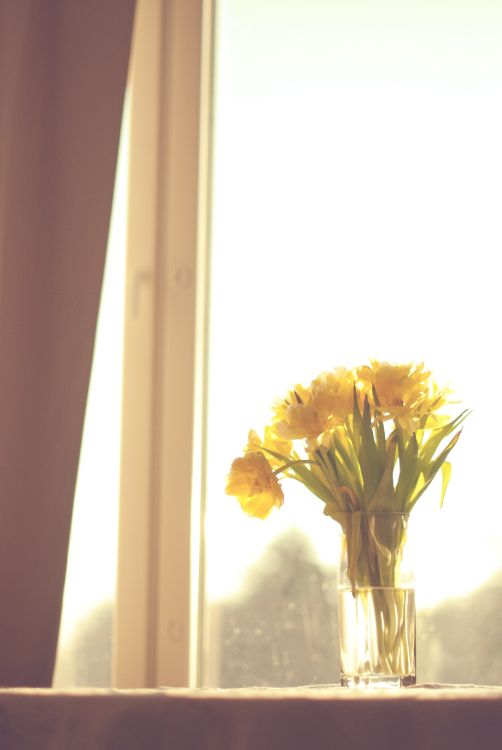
(156, 624)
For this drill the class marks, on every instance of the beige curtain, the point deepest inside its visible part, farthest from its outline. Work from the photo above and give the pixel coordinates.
(63, 71)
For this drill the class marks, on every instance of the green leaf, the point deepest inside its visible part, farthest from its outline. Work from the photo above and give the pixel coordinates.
(400, 441)
(431, 471)
(347, 480)
(331, 456)
(433, 468)
(324, 459)
(357, 420)
(334, 482)
(369, 457)
(381, 440)
(446, 472)
(409, 472)
(276, 455)
(432, 444)
(326, 466)
(353, 548)
(379, 428)
(375, 395)
(348, 469)
(345, 450)
(383, 499)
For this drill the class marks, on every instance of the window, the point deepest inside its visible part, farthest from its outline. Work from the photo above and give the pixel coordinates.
(354, 192)
(357, 184)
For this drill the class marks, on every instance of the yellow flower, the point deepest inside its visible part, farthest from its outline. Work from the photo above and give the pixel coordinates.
(297, 416)
(333, 393)
(405, 393)
(308, 412)
(271, 442)
(254, 484)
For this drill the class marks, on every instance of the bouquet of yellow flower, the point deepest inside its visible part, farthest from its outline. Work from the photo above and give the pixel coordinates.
(366, 440)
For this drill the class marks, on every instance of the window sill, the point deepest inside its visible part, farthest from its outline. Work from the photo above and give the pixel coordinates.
(323, 718)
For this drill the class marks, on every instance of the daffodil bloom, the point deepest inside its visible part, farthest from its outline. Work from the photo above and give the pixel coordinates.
(405, 393)
(270, 445)
(299, 416)
(306, 413)
(254, 484)
(433, 405)
(333, 395)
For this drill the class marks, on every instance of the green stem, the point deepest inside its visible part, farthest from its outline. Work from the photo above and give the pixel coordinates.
(295, 462)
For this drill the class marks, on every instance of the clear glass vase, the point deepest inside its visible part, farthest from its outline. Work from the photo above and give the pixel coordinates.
(376, 602)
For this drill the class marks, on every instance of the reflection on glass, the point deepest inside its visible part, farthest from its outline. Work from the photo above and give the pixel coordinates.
(357, 164)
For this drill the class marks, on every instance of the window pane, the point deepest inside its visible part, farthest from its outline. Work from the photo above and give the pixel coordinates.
(356, 214)
(85, 641)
